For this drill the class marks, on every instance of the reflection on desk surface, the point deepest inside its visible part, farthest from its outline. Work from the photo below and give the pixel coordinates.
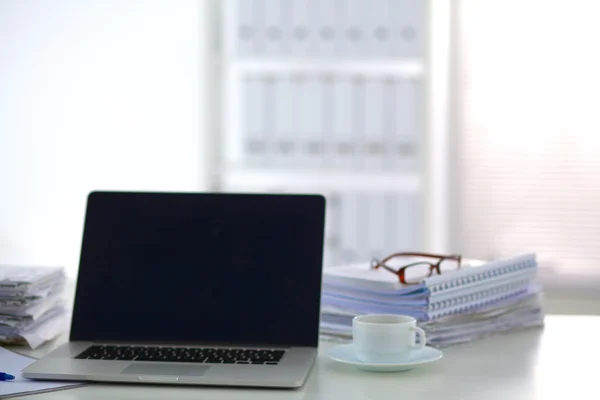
(538, 363)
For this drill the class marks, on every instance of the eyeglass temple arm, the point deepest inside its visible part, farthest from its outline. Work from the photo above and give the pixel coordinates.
(378, 264)
(420, 254)
(382, 265)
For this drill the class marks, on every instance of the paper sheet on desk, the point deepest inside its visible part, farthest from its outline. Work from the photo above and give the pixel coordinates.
(17, 275)
(14, 363)
(24, 281)
(361, 277)
(506, 316)
(33, 294)
(46, 331)
(46, 328)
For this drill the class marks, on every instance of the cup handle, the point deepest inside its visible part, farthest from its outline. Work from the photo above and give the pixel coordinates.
(422, 337)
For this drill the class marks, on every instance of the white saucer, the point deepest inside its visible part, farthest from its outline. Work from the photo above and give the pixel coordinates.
(346, 354)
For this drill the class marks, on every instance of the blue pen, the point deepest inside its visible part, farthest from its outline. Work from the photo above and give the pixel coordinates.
(6, 377)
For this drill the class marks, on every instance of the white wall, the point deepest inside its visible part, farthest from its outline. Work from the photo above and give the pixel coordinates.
(95, 94)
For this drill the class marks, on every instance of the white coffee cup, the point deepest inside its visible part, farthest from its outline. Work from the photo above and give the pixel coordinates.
(382, 338)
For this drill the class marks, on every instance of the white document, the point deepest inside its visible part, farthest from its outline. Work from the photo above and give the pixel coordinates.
(37, 332)
(32, 294)
(360, 275)
(12, 276)
(47, 329)
(30, 310)
(13, 364)
(456, 334)
(24, 280)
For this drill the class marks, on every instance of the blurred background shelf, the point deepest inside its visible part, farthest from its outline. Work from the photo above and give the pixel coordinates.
(318, 178)
(410, 68)
(157, 100)
(334, 97)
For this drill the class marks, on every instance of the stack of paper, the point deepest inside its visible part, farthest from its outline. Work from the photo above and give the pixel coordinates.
(32, 307)
(475, 301)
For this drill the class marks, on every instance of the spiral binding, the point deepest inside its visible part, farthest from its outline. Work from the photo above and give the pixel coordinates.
(497, 282)
(495, 270)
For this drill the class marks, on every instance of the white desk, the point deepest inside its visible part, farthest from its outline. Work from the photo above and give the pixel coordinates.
(555, 362)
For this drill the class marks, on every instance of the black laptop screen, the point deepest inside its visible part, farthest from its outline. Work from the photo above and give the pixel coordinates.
(200, 268)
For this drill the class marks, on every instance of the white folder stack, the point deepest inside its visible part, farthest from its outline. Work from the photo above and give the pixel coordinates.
(32, 309)
(480, 299)
(346, 121)
(381, 29)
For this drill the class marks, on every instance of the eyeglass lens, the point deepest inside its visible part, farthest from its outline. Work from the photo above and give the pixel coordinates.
(448, 265)
(417, 272)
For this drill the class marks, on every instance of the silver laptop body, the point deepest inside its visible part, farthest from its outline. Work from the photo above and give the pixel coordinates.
(195, 289)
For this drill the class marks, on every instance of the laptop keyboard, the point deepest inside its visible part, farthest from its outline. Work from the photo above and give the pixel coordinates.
(209, 355)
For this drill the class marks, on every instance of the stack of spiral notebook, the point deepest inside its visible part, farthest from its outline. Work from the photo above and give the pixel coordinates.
(32, 308)
(475, 301)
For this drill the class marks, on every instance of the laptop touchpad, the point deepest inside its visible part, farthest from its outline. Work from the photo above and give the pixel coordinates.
(165, 369)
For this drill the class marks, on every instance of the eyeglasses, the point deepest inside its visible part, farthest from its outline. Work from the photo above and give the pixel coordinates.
(415, 272)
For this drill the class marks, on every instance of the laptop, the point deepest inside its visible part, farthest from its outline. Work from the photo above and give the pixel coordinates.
(195, 289)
